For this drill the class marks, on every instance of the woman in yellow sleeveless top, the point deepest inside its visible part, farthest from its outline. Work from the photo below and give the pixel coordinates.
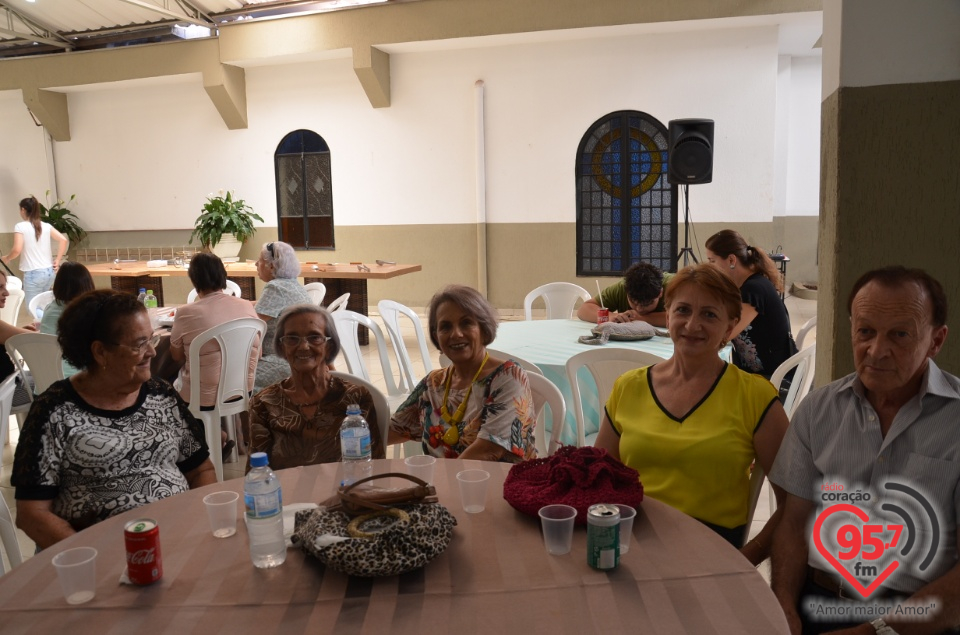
(693, 425)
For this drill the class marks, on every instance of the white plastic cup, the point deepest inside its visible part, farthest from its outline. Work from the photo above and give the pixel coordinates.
(77, 571)
(473, 489)
(421, 466)
(627, 514)
(557, 522)
(222, 511)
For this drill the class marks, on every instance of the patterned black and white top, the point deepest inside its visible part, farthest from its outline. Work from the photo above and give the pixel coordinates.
(95, 463)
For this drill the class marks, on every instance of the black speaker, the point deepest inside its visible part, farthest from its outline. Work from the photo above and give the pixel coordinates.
(691, 151)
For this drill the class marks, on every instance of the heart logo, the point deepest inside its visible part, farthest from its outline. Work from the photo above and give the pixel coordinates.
(849, 577)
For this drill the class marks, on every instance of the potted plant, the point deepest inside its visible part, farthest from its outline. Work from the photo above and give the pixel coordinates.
(63, 220)
(225, 224)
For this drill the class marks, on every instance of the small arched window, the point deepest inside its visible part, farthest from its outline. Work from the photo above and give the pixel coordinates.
(304, 191)
(626, 208)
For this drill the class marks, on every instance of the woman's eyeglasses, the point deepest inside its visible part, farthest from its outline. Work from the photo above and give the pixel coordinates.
(139, 348)
(293, 341)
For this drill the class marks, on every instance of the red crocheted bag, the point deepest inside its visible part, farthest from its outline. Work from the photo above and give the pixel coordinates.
(579, 477)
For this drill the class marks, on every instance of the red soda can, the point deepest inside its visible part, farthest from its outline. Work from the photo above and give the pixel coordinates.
(603, 315)
(142, 538)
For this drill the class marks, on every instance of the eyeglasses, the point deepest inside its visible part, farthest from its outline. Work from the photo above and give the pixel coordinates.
(139, 348)
(292, 341)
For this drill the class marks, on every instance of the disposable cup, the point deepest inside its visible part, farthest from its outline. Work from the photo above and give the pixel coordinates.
(557, 522)
(77, 571)
(627, 514)
(421, 466)
(473, 489)
(222, 511)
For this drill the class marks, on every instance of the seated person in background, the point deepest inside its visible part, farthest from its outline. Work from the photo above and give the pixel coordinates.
(693, 425)
(297, 421)
(72, 280)
(279, 268)
(894, 420)
(110, 438)
(211, 308)
(479, 407)
(638, 296)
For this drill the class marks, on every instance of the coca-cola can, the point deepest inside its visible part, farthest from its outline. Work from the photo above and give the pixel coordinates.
(603, 315)
(142, 538)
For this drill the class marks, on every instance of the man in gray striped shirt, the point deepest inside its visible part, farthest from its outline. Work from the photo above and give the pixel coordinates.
(892, 426)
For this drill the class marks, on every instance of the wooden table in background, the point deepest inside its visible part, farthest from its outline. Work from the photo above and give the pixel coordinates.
(496, 576)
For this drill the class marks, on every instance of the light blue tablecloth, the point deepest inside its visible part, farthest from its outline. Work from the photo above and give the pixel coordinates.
(550, 343)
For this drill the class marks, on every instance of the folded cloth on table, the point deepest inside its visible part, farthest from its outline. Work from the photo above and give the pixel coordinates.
(156, 263)
(626, 331)
(579, 477)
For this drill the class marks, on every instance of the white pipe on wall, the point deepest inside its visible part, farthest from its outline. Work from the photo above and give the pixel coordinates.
(481, 190)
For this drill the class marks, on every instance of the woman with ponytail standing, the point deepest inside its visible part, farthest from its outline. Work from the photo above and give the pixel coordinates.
(31, 241)
(761, 339)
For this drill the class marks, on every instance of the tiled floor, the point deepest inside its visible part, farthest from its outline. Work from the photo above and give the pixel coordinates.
(800, 312)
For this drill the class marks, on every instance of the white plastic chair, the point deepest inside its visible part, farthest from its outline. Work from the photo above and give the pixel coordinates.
(390, 312)
(560, 299)
(236, 339)
(232, 288)
(40, 352)
(379, 401)
(756, 484)
(526, 365)
(605, 365)
(546, 392)
(346, 323)
(808, 326)
(11, 310)
(804, 362)
(340, 304)
(317, 292)
(14, 282)
(8, 532)
(38, 303)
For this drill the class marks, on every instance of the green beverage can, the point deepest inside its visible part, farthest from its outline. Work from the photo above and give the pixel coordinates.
(603, 536)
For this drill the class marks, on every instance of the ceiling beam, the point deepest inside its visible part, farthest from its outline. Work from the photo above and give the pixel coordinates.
(372, 67)
(199, 19)
(30, 37)
(50, 109)
(37, 25)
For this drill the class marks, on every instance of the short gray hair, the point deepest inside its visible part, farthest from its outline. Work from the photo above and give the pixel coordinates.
(329, 329)
(472, 303)
(283, 258)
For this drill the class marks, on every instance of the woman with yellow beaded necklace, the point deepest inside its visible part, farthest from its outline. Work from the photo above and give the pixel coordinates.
(479, 407)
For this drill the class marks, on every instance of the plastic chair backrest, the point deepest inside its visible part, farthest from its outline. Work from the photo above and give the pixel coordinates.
(14, 282)
(232, 288)
(317, 292)
(340, 304)
(346, 323)
(756, 484)
(526, 365)
(379, 401)
(546, 392)
(235, 339)
(8, 533)
(11, 310)
(605, 365)
(390, 312)
(560, 299)
(808, 326)
(38, 303)
(42, 355)
(804, 362)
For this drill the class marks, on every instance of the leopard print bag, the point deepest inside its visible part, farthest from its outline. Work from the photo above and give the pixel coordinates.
(382, 543)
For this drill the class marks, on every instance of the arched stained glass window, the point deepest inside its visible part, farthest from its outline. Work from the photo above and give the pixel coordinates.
(626, 208)
(304, 191)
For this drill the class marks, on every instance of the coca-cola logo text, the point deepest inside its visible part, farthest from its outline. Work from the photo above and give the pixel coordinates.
(142, 556)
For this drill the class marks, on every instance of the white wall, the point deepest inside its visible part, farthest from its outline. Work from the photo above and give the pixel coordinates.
(23, 164)
(145, 157)
(803, 138)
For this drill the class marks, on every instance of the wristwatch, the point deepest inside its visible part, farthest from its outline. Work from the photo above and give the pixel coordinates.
(881, 627)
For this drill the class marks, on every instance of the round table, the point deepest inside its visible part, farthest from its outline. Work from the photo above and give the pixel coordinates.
(496, 576)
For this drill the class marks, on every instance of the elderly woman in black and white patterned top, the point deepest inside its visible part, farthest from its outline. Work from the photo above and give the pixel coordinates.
(110, 438)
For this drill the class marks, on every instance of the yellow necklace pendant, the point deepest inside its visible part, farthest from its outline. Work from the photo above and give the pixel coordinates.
(452, 435)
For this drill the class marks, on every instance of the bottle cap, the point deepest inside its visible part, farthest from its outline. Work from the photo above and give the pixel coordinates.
(353, 409)
(150, 291)
(142, 290)
(258, 459)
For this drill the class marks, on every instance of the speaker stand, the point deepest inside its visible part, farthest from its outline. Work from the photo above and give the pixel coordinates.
(686, 253)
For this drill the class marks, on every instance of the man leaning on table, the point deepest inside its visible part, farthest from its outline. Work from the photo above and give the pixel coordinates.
(637, 296)
(896, 420)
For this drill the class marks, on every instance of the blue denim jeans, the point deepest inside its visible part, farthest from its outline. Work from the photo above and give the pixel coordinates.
(36, 282)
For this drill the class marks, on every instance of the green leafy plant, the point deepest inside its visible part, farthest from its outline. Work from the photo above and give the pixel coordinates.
(62, 219)
(224, 214)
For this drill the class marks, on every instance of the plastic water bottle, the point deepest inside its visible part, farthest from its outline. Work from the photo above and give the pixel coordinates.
(150, 300)
(264, 514)
(142, 296)
(355, 446)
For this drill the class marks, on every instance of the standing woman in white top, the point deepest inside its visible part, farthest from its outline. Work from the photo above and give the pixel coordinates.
(31, 241)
